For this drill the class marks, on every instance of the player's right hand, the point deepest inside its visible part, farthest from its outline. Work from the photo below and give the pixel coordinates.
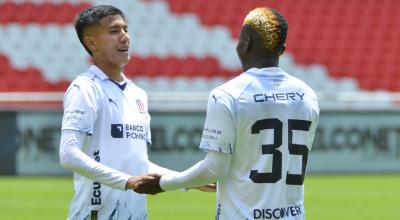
(148, 184)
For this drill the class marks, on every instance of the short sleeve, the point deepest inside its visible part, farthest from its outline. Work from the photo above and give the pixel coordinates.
(219, 131)
(80, 107)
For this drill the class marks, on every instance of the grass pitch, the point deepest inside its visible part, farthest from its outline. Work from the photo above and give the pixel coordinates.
(342, 197)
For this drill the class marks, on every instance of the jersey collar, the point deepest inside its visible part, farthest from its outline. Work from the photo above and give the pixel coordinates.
(270, 71)
(99, 73)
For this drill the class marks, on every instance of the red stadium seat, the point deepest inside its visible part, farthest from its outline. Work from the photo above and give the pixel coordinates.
(351, 38)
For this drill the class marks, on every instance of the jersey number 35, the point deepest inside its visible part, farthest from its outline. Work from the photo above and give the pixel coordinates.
(294, 149)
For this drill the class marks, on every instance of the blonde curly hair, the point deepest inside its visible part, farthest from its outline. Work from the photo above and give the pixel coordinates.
(270, 25)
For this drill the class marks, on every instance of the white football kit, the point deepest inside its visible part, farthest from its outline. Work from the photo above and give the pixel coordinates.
(266, 119)
(116, 122)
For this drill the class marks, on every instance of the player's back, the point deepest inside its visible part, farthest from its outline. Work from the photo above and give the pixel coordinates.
(275, 116)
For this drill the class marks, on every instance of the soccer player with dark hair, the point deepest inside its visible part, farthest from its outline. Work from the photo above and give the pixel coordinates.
(106, 124)
(258, 131)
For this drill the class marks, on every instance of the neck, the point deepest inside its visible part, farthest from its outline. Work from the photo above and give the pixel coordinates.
(113, 72)
(260, 63)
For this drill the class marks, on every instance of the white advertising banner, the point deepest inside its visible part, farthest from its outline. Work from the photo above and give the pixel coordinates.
(346, 141)
(356, 142)
(38, 141)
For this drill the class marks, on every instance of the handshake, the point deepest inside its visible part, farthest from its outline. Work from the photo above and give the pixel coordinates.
(145, 184)
(150, 184)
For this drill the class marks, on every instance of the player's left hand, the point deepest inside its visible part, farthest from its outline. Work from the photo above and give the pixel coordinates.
(212, 187)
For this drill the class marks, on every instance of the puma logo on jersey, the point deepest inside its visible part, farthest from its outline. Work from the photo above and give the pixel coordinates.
(215, 98)
(112, 101)
(77, 86)
(290, 96)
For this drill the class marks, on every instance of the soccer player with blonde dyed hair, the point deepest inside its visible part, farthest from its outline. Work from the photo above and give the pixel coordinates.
(258, 132)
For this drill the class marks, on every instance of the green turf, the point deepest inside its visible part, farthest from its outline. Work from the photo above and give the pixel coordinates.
(34, 197)
(327, 197)
(353, 197)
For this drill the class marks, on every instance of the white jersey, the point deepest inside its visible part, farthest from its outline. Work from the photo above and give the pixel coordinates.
(266, 119)
(116, 120)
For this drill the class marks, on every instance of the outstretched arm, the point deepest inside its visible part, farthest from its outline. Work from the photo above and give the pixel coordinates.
(218, 138)
(72, 158)
(154, 168)
(213, 167)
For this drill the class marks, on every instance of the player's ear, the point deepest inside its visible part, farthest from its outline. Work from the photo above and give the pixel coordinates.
(90, 43)
(283, 49)
(248, 42)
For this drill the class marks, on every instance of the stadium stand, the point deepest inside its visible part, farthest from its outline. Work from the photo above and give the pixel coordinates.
(335, 46)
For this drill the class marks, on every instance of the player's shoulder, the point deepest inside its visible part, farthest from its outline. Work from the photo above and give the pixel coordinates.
(136, 87)
(236, 86)
(304, 86)
(137, 90)
(84, 80)
(85, 83)
(228, 93)
(311, 97)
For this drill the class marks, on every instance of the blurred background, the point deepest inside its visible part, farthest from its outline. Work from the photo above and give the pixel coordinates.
(346, 50)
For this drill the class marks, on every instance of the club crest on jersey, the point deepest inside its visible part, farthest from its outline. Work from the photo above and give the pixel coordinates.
(140, 106)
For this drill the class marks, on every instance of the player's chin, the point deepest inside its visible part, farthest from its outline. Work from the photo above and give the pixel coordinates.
(124, 59)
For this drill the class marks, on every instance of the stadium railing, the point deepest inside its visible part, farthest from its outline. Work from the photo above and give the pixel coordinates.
(196, 101)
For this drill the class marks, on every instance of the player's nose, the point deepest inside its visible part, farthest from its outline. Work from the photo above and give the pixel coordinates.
(125, 38)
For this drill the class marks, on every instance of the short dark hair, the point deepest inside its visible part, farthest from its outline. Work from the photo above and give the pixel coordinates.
(92, 16)
(282, 28)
